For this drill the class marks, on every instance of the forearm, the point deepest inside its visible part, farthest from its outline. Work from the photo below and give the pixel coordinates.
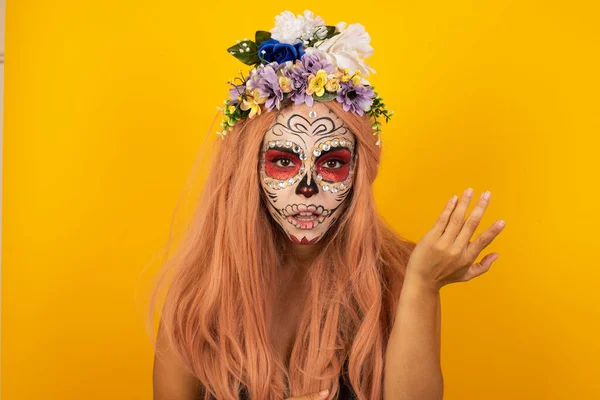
(412, 359)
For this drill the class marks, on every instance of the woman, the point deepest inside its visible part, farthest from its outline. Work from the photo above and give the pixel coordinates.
(288, 282)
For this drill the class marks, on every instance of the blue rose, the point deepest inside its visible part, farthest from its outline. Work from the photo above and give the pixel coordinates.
(280, 52)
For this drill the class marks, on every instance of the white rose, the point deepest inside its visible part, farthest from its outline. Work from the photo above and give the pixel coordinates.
(292, 30)
(348, 49)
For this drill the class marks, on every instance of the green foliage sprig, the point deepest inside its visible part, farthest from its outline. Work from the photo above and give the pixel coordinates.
(377, 110)
(315, 39)
(247, 50)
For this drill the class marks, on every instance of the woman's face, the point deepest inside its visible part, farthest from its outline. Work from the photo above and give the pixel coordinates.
(306, 168)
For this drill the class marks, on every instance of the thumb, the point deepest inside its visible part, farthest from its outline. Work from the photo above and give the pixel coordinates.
(314, 396)
(481, 267)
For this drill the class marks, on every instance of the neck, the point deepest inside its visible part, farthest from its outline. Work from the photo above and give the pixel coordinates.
(303, 254)
(298, 259)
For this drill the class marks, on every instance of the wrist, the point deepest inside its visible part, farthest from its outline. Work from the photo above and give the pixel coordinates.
(421, 283)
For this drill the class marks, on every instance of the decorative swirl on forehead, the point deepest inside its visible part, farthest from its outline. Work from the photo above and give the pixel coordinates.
(298, 124)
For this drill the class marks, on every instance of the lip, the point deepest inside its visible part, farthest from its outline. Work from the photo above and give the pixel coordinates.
(305, 217)
(304, 210)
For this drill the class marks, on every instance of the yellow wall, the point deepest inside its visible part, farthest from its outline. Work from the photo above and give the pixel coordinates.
(107, 102)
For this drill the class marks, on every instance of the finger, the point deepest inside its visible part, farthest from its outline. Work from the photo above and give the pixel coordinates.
(314, 396)
(457, 219)
(480, 268)
(484, 239)
(473, 220)
(442, 220)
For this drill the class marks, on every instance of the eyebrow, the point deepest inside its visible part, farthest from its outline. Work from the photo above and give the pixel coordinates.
(284, 149)
(334, 134)
(333, 149)
(323, 152)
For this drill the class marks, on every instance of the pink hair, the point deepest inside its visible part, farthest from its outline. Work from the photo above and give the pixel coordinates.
(217, 311)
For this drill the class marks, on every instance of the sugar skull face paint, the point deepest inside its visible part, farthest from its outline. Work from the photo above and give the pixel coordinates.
(306, 168)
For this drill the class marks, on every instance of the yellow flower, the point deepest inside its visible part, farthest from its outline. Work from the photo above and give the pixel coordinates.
(316, 84)
(337, 73)
(231, 109)
(252, 102)
(285, 84)
(333, 84)
(356, 77)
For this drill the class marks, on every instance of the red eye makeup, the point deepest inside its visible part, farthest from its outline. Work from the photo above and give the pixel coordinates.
(334, 165)
(281, 165)
(332, 160)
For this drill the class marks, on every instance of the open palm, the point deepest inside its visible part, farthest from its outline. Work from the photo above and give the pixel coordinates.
(446, 253)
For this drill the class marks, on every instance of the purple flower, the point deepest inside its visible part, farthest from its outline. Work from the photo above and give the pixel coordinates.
(275, 65)
(234, 92)
(313, 63)
(299, 73)
(265, 79)
(298, 78)
(357, 98)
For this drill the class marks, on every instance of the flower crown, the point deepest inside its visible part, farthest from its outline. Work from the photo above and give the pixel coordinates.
(305, 60)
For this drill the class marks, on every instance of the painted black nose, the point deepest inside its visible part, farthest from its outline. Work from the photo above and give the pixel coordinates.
(305, 189)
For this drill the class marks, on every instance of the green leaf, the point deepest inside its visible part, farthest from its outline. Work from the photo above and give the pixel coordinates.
(245, 113)
(261, 36)
(326, 96)
(249, 57)
(330, 31)
(237, 113)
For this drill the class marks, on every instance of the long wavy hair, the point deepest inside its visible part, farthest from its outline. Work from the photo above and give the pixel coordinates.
(218, 308)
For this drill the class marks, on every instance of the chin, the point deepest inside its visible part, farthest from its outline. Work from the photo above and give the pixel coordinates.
(308, 228)
(298, 236)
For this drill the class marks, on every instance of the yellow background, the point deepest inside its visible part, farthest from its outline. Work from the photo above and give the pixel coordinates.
(107, 103)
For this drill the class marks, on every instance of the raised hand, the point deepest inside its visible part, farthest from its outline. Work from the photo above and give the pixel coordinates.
(314, 396)
(446, 254)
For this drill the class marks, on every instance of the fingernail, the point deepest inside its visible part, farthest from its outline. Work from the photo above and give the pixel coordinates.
(501, 223)
(486, 195)
(324, 393)
(469, 192)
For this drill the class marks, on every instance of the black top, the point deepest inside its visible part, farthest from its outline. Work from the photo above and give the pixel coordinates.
(345, 393)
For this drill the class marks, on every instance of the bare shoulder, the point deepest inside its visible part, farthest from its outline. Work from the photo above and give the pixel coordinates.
(170, 380)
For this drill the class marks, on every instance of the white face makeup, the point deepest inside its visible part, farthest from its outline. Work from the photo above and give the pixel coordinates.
(306, 168)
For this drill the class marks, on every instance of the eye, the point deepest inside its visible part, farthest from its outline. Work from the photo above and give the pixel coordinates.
(283, 162)
(333, 163)
(334, 166)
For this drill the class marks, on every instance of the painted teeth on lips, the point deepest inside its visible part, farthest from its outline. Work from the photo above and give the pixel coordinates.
(305, 217)
(302, 210)
(306, 222)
